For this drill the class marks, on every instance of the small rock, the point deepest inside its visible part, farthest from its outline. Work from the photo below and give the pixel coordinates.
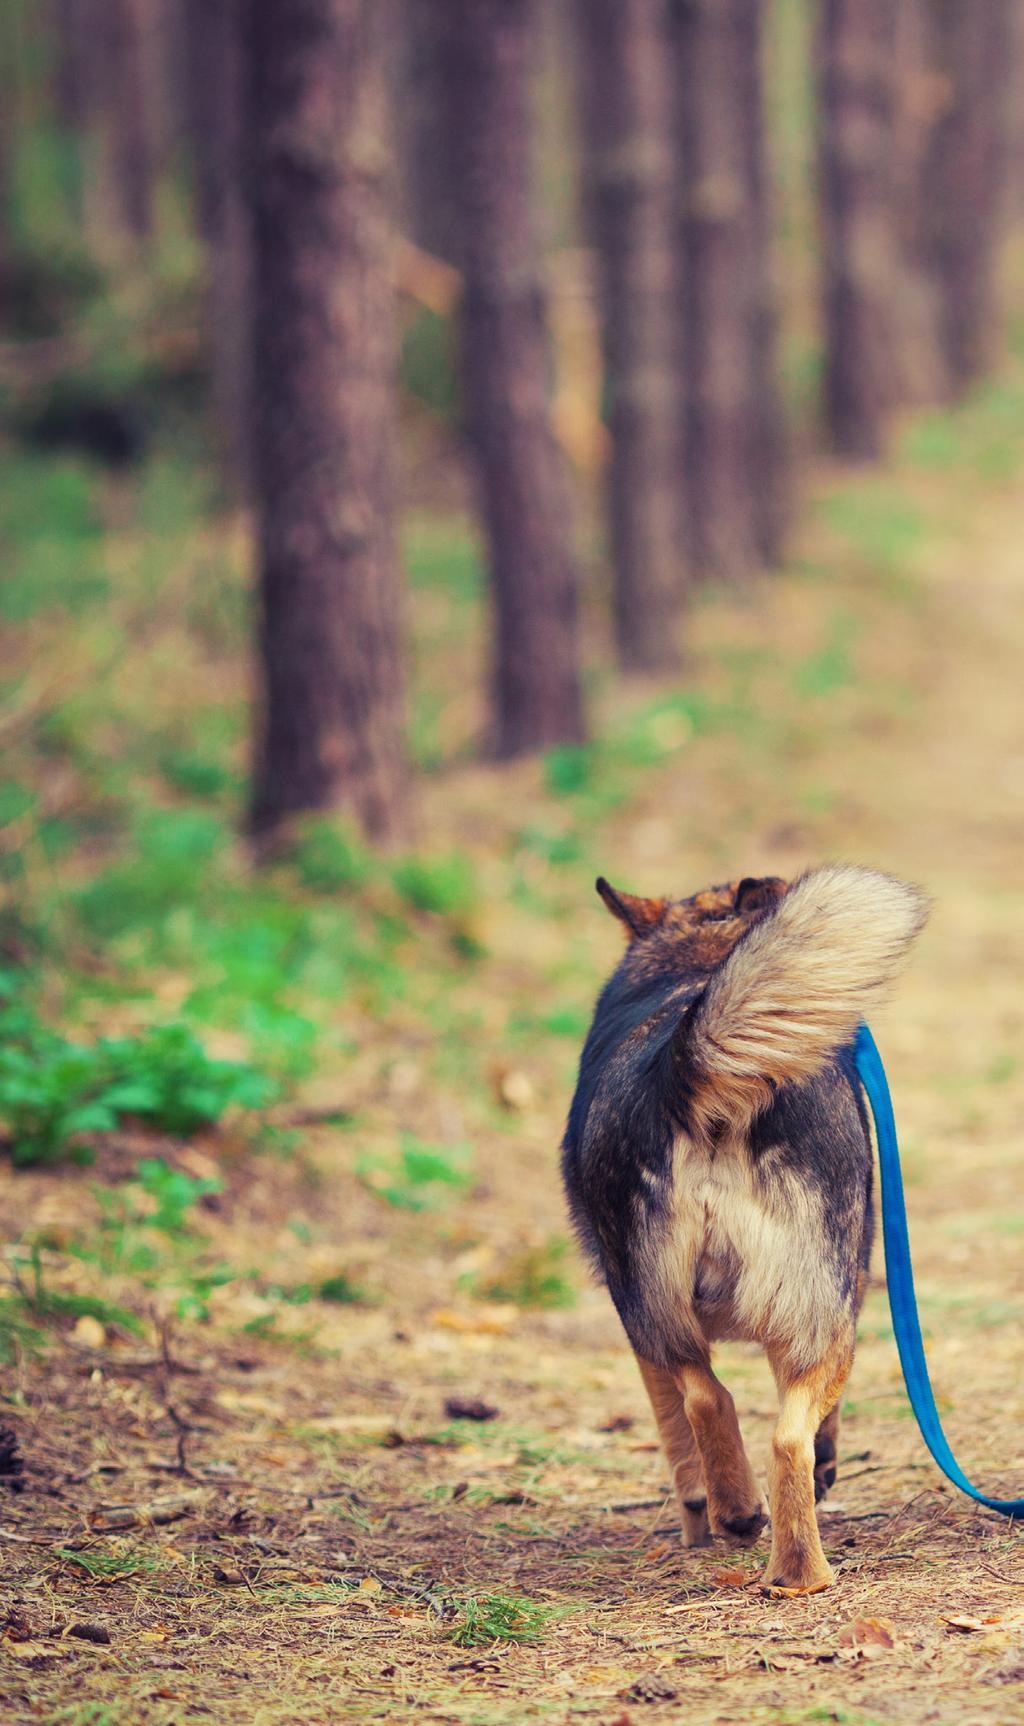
(470, 1408)
(88, 1332)
(515, 1090)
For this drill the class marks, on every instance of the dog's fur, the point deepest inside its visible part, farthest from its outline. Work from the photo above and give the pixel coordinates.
(718, 1167)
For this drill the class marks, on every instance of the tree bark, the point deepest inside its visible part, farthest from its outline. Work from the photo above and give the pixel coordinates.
(506, 366)
(624, 99)
(323, 333)
(426, 203)
(215, 61)
(769, 459)
(735, 502)
(964, 179)
(129, 60)
(856, 112)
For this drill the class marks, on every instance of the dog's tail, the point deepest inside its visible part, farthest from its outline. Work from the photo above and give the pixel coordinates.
(794, 989)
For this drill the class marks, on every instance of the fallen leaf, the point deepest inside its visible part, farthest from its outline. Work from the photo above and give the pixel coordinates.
(868, 1632)
(776, 1592)
(26, 1650)
(369, 1585)
(495, 1321)
(966, 1624)
(731, 1578)
(617, 1423)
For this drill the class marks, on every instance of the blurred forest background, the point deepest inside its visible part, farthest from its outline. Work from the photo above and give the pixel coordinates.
(449, 448)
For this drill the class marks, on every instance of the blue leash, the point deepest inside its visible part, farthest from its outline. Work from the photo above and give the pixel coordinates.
(900, 1277)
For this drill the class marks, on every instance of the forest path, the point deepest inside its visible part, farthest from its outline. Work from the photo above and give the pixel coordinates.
(327, 1520)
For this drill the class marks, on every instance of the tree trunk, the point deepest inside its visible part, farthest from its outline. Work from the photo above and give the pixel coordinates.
(506, 371)
(215, 55)
(917, 369)
(856, 94)
(130, 36)
(964, 178)
(426, 204)
(769, 459)
(317, 137)
(732, 481)
(624, 91)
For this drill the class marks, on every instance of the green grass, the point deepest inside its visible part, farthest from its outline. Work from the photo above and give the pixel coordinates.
(488, 1618)
(535, 1276)
(418, 1176)
(105, 1565)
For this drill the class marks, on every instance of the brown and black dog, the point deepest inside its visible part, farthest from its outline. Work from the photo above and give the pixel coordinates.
(718, 1167)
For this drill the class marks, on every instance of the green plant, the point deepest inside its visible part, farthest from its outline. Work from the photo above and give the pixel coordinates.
(96, 1561)
(53, 1091)
(17, 1336)
(328, 858)
(418, 1177)
(52, 1306)
(533, 1277)
(445, 885)
(486, 1618)
(341, 1290)
(173, 1192)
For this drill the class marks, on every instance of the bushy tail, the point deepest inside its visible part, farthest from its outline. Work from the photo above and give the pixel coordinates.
(795, 988)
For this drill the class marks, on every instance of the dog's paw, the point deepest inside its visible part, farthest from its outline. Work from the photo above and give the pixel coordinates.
(797, 1573)
(740, 1527)
(782, 1591)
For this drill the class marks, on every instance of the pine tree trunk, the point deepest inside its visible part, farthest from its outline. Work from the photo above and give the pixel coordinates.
(215, 59)
(506, 367)
(856, 67)
(917, 370)
(318, 170)
(426, 206)
(734, 490)
(769, 460)
(964, 178)
(624, 90)
(129, 60)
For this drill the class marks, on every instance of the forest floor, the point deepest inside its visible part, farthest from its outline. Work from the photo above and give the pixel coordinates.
(256, 1487)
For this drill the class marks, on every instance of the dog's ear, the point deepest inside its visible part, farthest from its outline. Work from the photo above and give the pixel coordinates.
(759, 893)
(640, 916)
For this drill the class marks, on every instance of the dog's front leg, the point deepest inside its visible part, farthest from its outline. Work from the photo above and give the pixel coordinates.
(681, 1453)
(797, 1559)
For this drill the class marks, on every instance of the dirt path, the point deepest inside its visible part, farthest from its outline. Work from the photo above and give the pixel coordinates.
(306, 1521)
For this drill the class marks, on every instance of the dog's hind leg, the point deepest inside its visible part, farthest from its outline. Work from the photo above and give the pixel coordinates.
(734, 1502)
(826, 1453)
(680, 1447)
(807, 1399)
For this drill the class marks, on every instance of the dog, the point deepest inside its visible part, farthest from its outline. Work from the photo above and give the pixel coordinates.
(718, 1169)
